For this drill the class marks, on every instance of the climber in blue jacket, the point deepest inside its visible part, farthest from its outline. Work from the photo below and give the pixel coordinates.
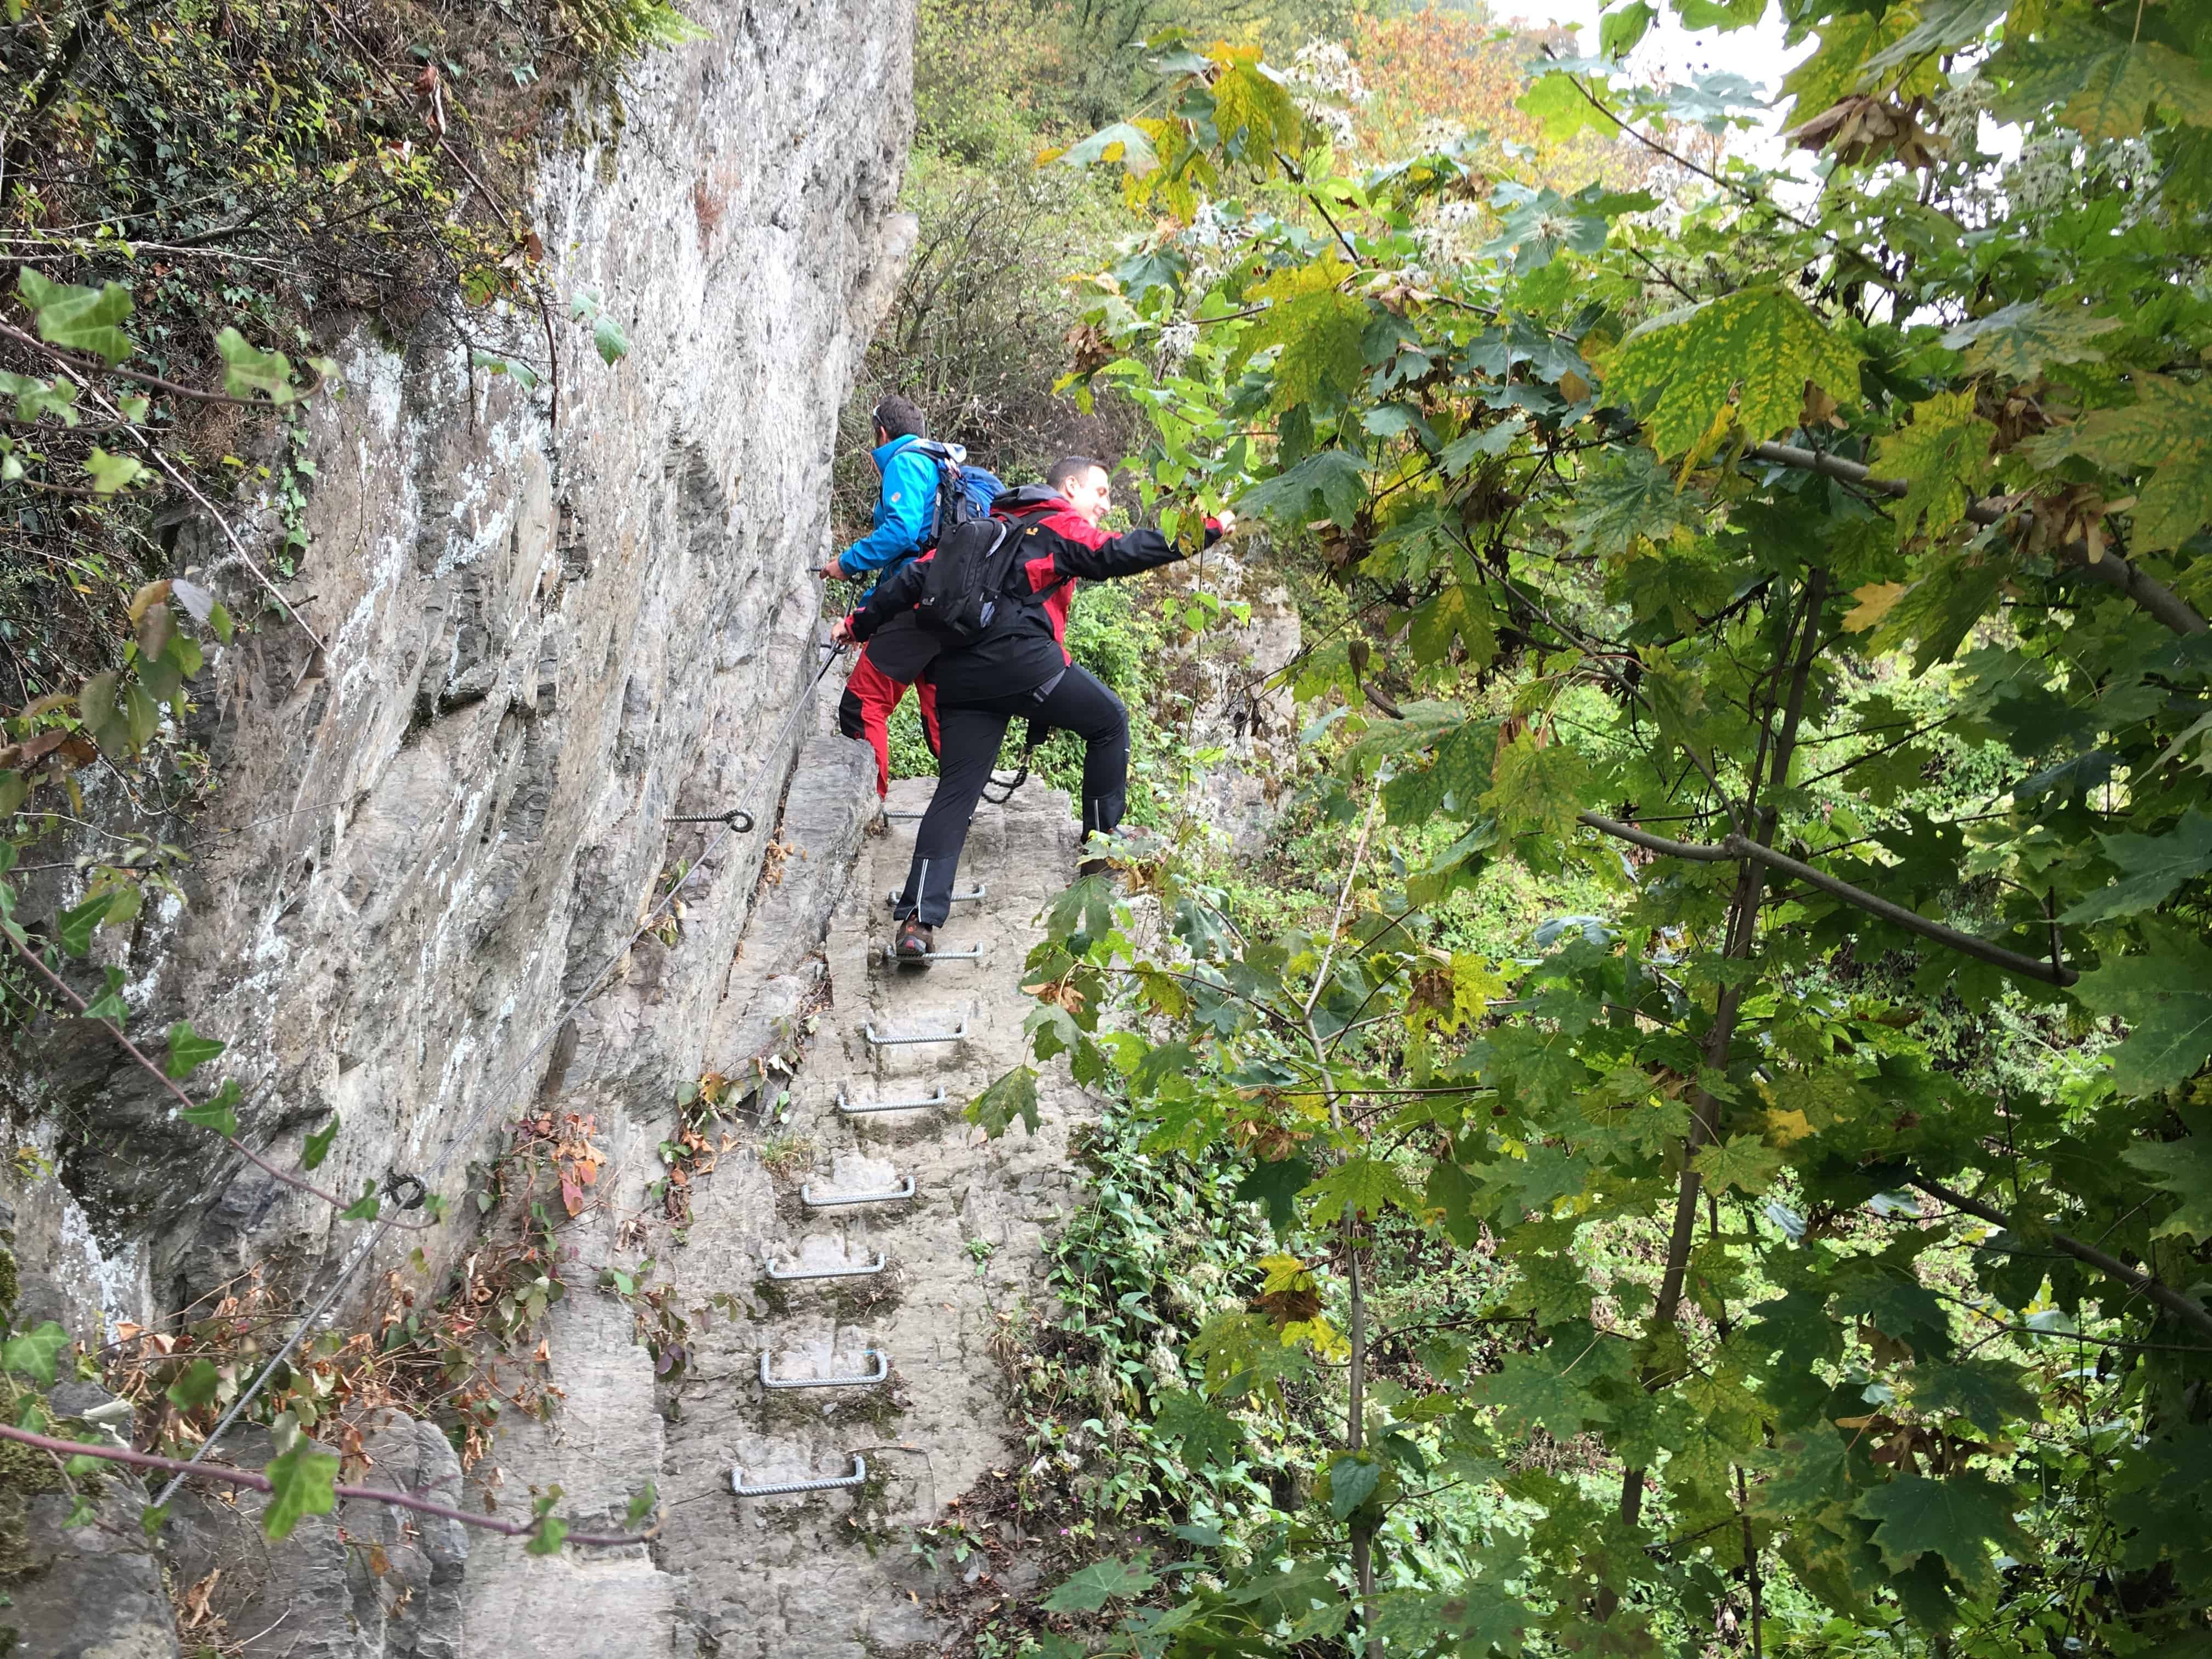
(905, 516)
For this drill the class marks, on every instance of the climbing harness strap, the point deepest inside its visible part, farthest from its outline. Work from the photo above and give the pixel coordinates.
(1038, 731)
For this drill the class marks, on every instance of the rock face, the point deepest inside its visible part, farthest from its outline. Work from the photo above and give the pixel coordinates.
(525, 643)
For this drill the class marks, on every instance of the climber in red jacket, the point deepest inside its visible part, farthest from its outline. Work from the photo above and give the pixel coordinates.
(1020, 666)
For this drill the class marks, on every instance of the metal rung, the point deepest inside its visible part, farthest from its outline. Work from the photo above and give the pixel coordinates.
(868, 1030)
(829, 1201)
(846, 1108)
(904, 817)
(973, 953)
(981, 890)
(883, 1371)
(875, 1266)
(778, 1488)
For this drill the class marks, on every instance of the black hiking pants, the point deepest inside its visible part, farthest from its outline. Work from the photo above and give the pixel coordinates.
(969, 737)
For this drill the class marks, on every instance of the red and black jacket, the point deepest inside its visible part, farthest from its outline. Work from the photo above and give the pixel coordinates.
(1026, 644)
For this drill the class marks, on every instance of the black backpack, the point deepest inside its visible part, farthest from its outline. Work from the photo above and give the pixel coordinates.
(965, 581)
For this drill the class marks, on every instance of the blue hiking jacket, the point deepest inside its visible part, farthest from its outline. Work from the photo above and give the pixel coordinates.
(906, 510)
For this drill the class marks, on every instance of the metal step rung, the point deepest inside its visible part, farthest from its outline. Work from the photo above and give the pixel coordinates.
(875, 1266)
(778, 1488)
(846, 1108)
(865, 1379)
(868, 1030)
(831, 1200)
(973, 953)
(903, 817)
(981, 891)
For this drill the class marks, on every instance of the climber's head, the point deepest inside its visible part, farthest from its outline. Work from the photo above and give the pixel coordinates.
(1082, 482)
(895, 417)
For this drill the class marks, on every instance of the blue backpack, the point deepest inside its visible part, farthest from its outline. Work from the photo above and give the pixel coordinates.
(964, 493)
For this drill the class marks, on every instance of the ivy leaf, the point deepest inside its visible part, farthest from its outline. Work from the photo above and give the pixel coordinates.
(197, 1387)
(318, 1145)
(613, 346)
(551, 1533)
(300, 1484)
(2151, 868)
(2017, 340)
(1335, 480)
(1207, 1436)
(1942, 457)
(74, 927)
(1367, 1184)
(109, 1004)
(641, 1505)
(110, 473)
(1744, 1162)
(188, 1051)
(247, 369)
(1100, 1582)
(1012, 1096)
(365, 1207)
(35, 1352)
(1683, 366)
(1958, 1517)
(2165, 996)
(2183, 1167)
(216, 1112)
(78, 319)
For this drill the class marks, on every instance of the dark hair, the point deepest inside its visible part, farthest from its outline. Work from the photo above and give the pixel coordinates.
(898, 418)
(1068, 468)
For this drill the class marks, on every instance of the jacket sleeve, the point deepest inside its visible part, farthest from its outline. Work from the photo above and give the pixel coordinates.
(900, 591)
(1081, 552)
(909, 491)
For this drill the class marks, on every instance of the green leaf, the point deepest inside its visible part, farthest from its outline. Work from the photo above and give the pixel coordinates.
(1987, 1393)
(73, 927)
(1554, 100)
(1627, 496)
(1959, 1517)
(1319, 328)
(197, 1387)
(33, 1353)
(1014, 1094)
(247, 370)
(551, 1532)
(78, 319)
(2165, 998)
(1081, 914)
(34, 398)
(2017, 341)
(641, 1505)
(1364, 1184)
(1536, 788)
(2168, 430)
(2183, 1167)
(109, 1004)
(1744, 1162)
(613, 346)
(1352, 1482)
(1681, 366)
(301, 1482)
(216, 1112)
(1620, 32)
(1330, 484)
(1100, 1582)
(365, 1207)
(1207, 1436)
(317, 1146)
(1529, 1394)
(1452, 614)
(1942, 457)
(2151, 869)
(2106, 83)
(1276, 1187)
(1122, 142)
(188, 1051)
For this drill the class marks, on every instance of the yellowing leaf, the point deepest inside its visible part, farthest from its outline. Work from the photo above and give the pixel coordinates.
(1318, 327)
(1537, 787)
(1682, 366)
(2168, 428)
(1787, 1128)
(1875, 601)
(2108, 83)
(1942, 457)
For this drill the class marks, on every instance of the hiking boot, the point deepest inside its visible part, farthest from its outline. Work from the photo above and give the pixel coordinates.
(915, 942)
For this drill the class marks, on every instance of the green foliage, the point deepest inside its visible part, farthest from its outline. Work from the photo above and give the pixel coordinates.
(1639, 1253)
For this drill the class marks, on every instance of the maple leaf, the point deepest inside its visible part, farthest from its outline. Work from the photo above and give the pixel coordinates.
(1206, 1435)
(1537, 787)
(1627, 496)
(1683, 366)
(1958, 1517)
(1942, 458)
(2017, 340)
(2165, 995)
(1875, 601)
(1367, 1184)
(1744, 1162)
(2151, 868)
(2183, 1167)
(2107, 83)
(1529, 1394)
(2168, 430)
(1318, 327)
(1987, 1393)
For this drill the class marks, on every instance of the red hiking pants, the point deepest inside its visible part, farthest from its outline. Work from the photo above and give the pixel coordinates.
(864, 711)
